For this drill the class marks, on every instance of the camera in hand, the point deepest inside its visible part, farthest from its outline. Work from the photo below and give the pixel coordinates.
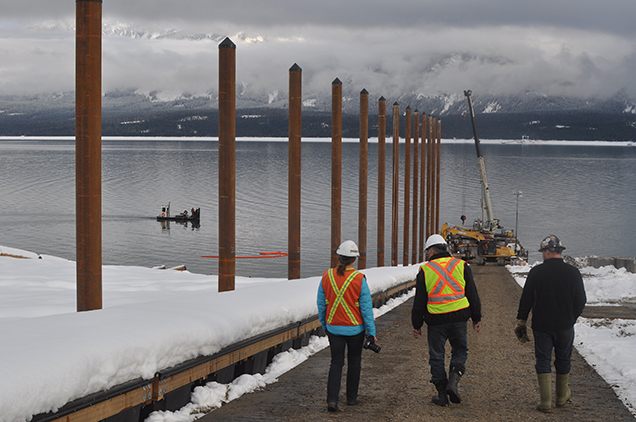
(369, 343)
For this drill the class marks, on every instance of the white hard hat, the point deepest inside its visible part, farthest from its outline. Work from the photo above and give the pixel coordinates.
(349, 249)
(435, 239)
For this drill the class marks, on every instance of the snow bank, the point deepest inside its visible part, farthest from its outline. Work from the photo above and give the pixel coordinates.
(152, 319)
(603, 286)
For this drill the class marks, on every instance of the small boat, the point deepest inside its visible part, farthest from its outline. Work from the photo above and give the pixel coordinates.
(193, 216)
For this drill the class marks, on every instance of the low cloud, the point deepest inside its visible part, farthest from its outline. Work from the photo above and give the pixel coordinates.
(387, 60)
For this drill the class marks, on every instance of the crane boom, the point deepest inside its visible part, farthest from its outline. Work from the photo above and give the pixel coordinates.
(491, 223)
(486, 241)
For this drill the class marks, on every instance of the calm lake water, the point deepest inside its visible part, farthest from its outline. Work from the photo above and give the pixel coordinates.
(584, 194)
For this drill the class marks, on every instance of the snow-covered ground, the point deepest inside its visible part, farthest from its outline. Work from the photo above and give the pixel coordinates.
(606, 344)
(153, 319)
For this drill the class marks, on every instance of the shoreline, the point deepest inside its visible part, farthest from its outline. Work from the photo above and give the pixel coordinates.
(373, 140)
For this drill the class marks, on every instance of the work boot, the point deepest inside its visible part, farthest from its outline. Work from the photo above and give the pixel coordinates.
(451, 389)
(441, 399)
(563, 392)
(545, 390)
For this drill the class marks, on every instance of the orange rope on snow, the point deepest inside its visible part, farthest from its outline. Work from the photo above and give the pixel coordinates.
(261, 255)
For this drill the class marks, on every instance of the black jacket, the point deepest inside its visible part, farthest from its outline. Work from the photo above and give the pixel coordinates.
(555, 294)
(420, 314)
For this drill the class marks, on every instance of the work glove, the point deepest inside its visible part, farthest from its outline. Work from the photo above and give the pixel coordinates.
(521, 331)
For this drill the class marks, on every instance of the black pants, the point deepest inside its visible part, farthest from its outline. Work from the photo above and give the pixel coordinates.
(337, 345)
(561, 342)
(457, 336)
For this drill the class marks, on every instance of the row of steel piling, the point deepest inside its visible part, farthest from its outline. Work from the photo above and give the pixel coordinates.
(424, 210)
(425, 171)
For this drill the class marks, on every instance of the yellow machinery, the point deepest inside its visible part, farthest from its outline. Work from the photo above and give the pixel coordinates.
(487, 241)
(476, 245)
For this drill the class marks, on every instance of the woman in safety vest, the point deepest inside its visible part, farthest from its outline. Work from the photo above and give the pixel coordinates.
(345, 310)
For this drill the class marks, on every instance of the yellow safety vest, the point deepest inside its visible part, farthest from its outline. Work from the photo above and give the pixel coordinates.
(445, 285)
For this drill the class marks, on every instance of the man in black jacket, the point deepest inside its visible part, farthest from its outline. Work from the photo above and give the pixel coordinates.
(445, 298)
(555, 294)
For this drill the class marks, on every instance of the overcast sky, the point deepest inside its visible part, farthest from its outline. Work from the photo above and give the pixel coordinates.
(556, 47)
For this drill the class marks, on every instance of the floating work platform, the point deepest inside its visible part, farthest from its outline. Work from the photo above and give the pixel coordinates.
(193, 216)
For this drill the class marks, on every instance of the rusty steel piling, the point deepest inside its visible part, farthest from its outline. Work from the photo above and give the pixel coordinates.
(227, 165)
(416, 151)
(294, 184)
(433, 182)
(364, 176)
(336, 167)
(381, 178)
(438, 155)
(429, 176)
(423, 180)
(433, 173)
(407, 186)
(433, 209)
(396, 185)
(88, 149)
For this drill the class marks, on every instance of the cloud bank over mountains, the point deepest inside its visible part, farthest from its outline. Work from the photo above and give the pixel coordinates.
(164, 48)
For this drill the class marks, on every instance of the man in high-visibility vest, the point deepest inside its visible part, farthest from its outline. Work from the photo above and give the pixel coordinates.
(345, 310)
(445, 298)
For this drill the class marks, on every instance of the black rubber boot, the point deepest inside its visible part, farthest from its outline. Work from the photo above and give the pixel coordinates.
(441, 399)
(451, 389)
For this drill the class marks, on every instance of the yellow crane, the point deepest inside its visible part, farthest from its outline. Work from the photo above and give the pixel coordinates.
(486, 241)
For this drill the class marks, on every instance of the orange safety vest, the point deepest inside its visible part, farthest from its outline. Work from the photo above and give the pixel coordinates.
(342, 294)
(445, 285)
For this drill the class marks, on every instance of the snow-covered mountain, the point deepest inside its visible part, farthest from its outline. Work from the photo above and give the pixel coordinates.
(421, 83)
(121, 29)
(165, 76)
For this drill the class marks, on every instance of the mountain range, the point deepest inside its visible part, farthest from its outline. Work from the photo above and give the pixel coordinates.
(127, 113)
(133, 112)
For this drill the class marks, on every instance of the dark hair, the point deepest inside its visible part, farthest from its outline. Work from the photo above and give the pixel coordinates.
(343, 262)
(439, 248)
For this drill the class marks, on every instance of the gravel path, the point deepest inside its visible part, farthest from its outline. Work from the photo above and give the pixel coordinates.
(499, 385)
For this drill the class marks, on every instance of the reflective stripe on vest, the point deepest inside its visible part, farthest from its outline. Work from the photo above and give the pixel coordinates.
(445, 285)
(340, 302)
